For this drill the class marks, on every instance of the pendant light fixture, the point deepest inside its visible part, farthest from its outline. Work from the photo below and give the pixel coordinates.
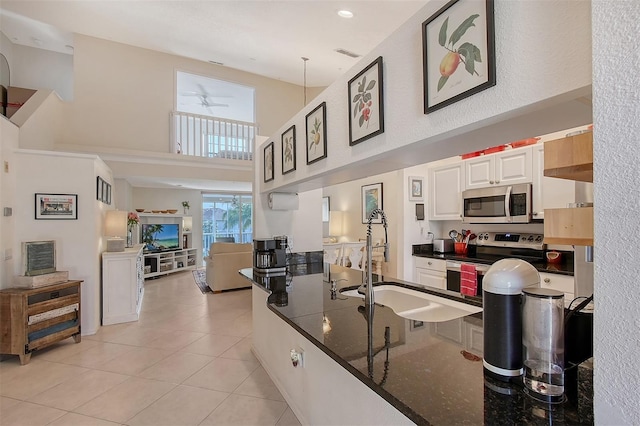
(304, 87)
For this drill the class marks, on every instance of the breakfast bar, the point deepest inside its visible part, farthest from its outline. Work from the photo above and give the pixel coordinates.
(424, 372)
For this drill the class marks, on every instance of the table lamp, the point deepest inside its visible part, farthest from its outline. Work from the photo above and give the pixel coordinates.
(336, 219)
(115, 228)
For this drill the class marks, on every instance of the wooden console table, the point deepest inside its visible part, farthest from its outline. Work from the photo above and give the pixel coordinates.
(33, 318)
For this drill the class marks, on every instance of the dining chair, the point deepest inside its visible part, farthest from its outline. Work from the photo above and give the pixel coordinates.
(332, 253)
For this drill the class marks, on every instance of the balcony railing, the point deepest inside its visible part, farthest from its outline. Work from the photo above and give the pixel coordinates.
(204, 136)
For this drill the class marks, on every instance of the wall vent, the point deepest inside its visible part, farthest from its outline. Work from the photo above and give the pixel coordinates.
(346, 52)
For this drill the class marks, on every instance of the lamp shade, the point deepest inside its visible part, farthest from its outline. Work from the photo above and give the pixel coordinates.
(335, 223)
(115, 223)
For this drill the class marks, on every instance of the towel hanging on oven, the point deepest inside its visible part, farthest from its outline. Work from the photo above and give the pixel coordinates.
(468, 280)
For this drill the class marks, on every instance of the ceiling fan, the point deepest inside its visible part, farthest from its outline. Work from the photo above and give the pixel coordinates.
(205, 98)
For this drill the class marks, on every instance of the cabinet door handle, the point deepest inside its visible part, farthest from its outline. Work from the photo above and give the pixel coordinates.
(547, 280)
(491, 182)
(497, 182)
(429, 263)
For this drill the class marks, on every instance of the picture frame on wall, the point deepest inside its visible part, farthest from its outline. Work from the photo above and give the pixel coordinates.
(326, 207)
(268, 162)
(371, 200)
(99, 188)
(316, 133)
(108, 194)
(56, 206)
(289, 150)
(416, 188)
(458, 47)
(105, 188)
(366, 103)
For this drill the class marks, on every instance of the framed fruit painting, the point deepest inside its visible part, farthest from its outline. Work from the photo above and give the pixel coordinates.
(289, 150)
(366, 106)
(458, 47)
(316, 125)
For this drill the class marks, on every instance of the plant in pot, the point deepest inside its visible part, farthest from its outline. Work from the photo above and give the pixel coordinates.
(185, 206)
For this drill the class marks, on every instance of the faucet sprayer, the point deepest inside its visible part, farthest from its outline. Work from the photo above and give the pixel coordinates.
(369, 297)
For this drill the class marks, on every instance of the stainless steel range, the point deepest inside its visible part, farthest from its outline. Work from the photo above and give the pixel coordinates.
(489, 248)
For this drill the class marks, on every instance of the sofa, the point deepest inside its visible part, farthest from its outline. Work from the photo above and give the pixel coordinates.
(224, 262)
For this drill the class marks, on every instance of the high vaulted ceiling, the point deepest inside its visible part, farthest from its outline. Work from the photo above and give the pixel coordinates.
(265, 37)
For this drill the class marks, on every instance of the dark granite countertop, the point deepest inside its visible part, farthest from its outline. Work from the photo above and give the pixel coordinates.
(431, 372)
(552, 268)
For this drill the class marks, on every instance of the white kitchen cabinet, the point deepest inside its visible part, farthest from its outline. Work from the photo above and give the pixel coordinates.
(445, 191)
(548, 192)
(508, 167)
(122, 285)
(430, 272)
(563, 283)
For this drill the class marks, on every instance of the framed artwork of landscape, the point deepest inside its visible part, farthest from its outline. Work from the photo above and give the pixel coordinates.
(458, 47)
(371, 200)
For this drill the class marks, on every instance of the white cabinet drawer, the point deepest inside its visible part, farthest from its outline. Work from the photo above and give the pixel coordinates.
(561, 283)
(430, 263)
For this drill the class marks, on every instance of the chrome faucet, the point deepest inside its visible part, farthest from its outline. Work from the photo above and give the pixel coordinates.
(368, 283)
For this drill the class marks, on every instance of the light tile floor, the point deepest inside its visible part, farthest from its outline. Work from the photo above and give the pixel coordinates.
(187, 361)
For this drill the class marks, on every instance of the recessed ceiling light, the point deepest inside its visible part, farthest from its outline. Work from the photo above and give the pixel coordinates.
(345, 13)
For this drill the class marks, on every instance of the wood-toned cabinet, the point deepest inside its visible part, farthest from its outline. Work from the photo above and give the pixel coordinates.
(122, 285)
(33, 318)
(509, 167)
(445, 191)
(569, 158)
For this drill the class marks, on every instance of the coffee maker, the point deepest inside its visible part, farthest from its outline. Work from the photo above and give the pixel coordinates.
(270, 256)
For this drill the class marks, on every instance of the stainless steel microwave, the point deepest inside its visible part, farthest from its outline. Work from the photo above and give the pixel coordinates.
(500, 204)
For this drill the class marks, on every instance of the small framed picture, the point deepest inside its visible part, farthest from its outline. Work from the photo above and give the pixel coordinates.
(366, 111)
(316, 123)
(371, 200)
(56, 206)
(109, 194)
(458, 50)
(268, 162)
(415, 188)
(99, 188)
(104, 191)
(289, 150)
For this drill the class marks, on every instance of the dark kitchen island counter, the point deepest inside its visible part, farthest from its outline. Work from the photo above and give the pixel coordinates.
(430, 372)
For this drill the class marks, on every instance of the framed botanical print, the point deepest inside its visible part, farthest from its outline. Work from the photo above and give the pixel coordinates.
(316, 126)
(289, 150)
(371, 200)
(415, 188)
(366, 112)
(268, 162)
(458, 44)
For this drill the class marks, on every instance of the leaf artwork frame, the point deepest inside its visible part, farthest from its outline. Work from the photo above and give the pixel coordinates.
(316, 133)
(371, 200)
(268, 162)
(289, 150)
(458, 47)
(416, 188)
(366, 103)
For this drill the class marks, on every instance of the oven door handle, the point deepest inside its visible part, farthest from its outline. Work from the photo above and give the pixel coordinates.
(507, 203)
(481, 269)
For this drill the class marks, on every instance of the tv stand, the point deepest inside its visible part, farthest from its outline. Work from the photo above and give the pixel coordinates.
(168, 262)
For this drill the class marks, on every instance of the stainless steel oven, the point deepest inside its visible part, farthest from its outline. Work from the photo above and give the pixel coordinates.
(501, 204)
(453, 275)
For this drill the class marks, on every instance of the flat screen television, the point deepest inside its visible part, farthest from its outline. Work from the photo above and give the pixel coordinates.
(160, 237)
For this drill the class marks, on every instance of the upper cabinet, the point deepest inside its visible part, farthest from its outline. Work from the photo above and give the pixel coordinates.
(569, 158)
(445, 191)
(509, 167)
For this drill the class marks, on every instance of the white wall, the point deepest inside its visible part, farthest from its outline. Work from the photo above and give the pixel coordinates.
(78, 242)
(8, 144)
(616, 202)
(29, 63)
(123, 95)
(534, 72)
(40, 120)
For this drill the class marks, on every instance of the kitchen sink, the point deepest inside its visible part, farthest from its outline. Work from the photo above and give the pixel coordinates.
(416, 305)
